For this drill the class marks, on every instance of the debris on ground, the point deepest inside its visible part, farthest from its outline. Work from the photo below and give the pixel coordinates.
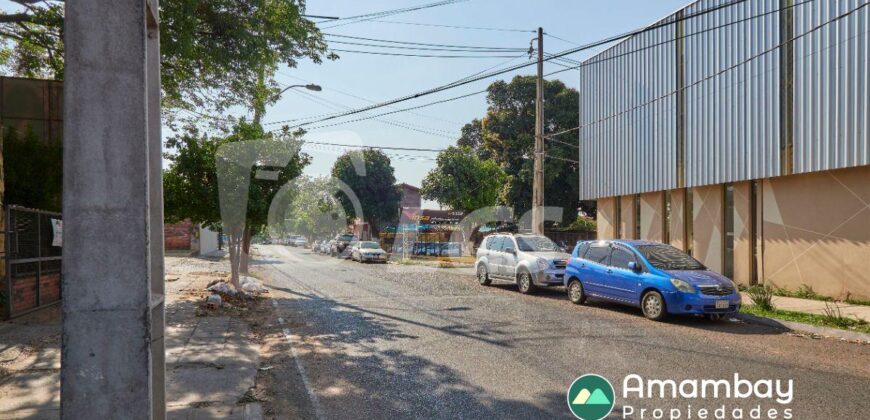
(252, 285)
(213, 301)
(222, 288)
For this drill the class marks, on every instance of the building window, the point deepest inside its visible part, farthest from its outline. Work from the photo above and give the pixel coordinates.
(637, 216)
(728, 210)
(666, 222)
(689, 218)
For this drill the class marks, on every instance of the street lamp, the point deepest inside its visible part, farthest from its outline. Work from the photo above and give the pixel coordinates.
(310, 86)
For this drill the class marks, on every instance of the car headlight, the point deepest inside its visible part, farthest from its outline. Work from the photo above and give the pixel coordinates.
(543, 264)
(683, 286)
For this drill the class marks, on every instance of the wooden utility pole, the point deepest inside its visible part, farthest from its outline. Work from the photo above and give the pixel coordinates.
(538, 181)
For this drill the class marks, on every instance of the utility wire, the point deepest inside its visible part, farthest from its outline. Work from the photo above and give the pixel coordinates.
(371, 16)
(475, 28)
(523, 65)
(420, 55)
(360, 146)
(425, 44)
(716, 74)
(406, 47)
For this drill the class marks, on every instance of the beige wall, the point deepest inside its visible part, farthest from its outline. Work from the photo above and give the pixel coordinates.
(743, 232)
(652, 216)
(677, 223)
(816, 230)
(707, 236)
(606, 218)
(627, 219)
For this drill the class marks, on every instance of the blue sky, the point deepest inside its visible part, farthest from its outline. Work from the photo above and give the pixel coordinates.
(378, 78)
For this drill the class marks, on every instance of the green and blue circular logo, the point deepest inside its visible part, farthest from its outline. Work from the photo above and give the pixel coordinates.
(591, 397)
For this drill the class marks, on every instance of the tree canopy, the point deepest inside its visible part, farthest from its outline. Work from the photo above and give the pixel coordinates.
(376, 189)
(507, 134)
(463, 181)
(213, 53)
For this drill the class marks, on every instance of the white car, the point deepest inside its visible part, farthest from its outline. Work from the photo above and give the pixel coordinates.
(527, 260)
(368, 251)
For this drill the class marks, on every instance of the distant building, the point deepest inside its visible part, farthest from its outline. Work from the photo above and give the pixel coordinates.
(742, 141)
(410, 196)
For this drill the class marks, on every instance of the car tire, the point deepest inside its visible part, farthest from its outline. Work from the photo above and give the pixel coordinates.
(483, 275)
(653, 306)
(525, 285)
(575, 292)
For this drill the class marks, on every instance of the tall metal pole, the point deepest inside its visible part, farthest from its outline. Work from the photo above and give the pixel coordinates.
(538, 182)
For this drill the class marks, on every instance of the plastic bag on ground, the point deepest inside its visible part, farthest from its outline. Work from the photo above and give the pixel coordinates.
(251, 285)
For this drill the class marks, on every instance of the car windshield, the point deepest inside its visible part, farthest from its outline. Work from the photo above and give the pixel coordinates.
(536, 244)
(666, 257)
(369, 245)
(346, 238)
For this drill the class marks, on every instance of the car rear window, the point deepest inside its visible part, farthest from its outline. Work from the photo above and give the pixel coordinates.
(598, 254)
(666, 257)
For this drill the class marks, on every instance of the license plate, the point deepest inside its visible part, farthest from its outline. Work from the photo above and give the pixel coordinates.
(722, 304)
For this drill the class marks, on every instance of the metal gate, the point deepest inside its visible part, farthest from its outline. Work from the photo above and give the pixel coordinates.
(33, 260)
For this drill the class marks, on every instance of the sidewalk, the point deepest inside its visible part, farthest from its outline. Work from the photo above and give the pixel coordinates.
(815, 306)
(211, 358)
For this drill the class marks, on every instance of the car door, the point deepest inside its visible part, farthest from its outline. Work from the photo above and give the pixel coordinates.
(592, 268)
(494, 255)
(621, 280)
(509, 259)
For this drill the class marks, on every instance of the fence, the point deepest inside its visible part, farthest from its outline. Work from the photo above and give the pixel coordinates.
(33, 260)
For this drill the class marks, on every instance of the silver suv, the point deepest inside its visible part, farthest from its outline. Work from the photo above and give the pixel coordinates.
(528, 260)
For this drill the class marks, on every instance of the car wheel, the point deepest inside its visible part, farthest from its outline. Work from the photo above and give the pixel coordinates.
(575, 292)
(483, 275)
(653, 306)
(524, 283)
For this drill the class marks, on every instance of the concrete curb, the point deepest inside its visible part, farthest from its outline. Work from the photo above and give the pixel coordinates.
(812, 329)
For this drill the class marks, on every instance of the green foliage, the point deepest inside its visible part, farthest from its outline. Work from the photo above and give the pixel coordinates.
(378, 195)
(32, 171)
(212, 52)
(845, 323)
(462, 181)
(190, 185)
(507, 135)
(584, 224)
(313, 210)
(762, 297)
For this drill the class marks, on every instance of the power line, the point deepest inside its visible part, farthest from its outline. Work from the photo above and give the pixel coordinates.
(405, 47)
(425, 44)
(716, 74)
(371, 16)
(523, 65)
(407, 149)
(476, 28)
(420, 55)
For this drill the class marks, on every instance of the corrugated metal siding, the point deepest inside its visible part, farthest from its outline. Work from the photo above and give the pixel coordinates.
(832, 118)
(732, 119)
(626, 136)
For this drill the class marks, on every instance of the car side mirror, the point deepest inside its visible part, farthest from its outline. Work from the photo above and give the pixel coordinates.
(633, 266)
(510, 251)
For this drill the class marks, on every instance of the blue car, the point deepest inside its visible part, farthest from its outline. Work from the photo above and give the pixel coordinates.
(656, 277)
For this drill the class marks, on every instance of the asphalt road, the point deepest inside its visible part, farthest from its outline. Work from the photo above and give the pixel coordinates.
(394, 341)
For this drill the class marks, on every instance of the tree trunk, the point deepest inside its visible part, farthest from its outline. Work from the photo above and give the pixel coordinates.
(234, 249)
(246, 251)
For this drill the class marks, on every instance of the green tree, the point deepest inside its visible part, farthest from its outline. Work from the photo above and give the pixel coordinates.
(32, 170)
(376, 189)
(507, 134)
(313, 210)
(194, 188)
(214, 54)
(462, 181)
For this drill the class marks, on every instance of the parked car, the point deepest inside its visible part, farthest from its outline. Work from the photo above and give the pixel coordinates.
(300, 242)
(528, 260)
(368, 251)
(342, 245)
(315, 246)
(656, 277)
(326, 246)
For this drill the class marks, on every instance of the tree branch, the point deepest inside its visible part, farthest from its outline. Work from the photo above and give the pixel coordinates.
(16, 18)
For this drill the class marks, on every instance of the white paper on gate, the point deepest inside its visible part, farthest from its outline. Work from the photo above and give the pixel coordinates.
(57, 229)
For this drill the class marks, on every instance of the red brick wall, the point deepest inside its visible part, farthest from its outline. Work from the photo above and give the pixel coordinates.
(177, 235)
(24, 291)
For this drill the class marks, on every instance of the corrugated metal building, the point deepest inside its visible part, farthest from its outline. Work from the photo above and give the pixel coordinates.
(740, 135)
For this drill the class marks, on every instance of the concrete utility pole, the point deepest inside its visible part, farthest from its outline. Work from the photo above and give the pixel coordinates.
(538, 182)
(112, 362)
